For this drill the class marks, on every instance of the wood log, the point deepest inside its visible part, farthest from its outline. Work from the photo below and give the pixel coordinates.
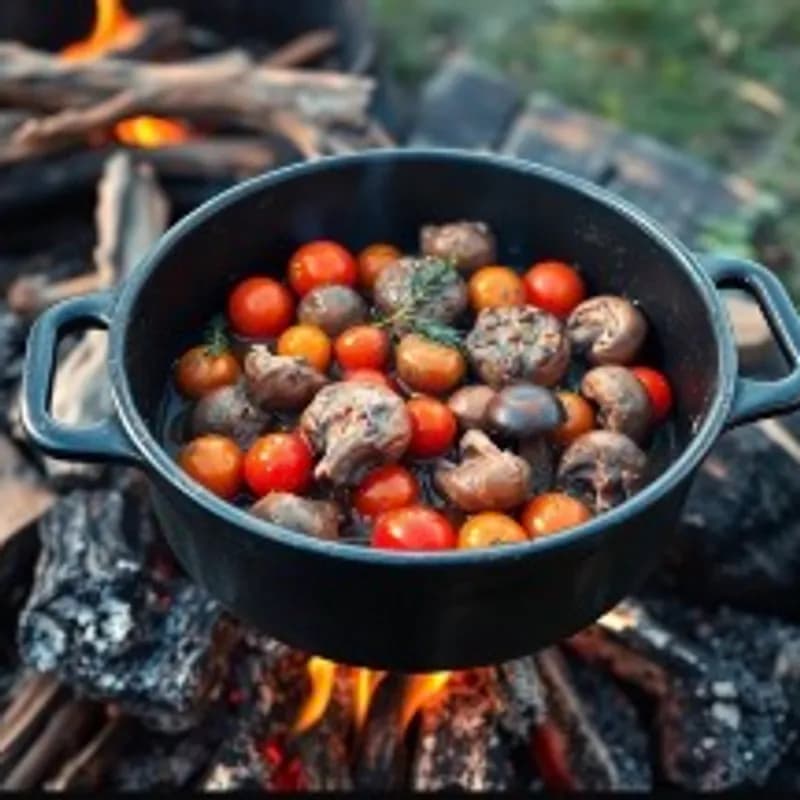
(309, 46)
(381, 758)
(158, 34)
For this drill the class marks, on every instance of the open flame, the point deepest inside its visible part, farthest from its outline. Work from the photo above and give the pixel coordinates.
(115, 27)
(365, 682)
(322, 674)
(420, 690)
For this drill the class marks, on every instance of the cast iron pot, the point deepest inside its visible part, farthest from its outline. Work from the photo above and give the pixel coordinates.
(415, 611)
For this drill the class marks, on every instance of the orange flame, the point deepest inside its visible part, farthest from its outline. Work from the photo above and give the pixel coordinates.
(419, 690)
(114, 27)
(321, 673)
(365, 682)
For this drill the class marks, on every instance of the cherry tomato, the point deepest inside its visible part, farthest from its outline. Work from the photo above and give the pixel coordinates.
(200, 371)
(413, 528)
(321, 263)
(362, 347)
(658, 390)
(373, 259)
(555, 287)
(490, 528)
(215, 462)
(260, 307)
(384, 489)
(494, 287)
(370, 376)
(278, 462)
(433, 427)
(429, 366)
(553, 512)
(308, 342)
(580, 418)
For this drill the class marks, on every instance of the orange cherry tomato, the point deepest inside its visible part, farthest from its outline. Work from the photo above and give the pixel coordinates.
(490, 528)
(555, 287)
(433, 427)
(384, 489)
(658, 390)
(201, 370)
(308, 342)
(362, 347)
(413, 528)
(429, 366)
(579, 418)
(215, 462)
(494, 287)
(321, 263)
(552, 512)
(373, 259)
(260, 307)
(278, 462)
(370, 376)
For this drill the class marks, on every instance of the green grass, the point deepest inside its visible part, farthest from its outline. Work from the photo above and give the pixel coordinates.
(715, 77)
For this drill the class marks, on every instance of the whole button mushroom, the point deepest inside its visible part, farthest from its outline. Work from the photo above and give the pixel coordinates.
(513, 344)
(607, 329)
(524, 410)
(623, 402)
(602, 469)
(229, 412)
(467, 245)
(280, 383)
(318, 518)
(470, 404)
(332, 308)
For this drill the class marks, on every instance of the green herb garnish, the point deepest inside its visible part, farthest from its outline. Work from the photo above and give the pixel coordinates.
(216, 339)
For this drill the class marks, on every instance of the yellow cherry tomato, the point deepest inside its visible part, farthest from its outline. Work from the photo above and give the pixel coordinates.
(308, 342)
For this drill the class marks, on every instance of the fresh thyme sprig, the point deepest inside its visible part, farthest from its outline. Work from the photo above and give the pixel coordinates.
(216, 337)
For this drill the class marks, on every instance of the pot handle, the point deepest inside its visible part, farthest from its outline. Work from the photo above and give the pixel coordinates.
(755, 399)
(102, 441)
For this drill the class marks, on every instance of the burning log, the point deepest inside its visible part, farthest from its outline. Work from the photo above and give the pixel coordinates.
(107, 625)
(156, 35)
(309, 46)
(718, 726)
(228, 89)
(460, 746)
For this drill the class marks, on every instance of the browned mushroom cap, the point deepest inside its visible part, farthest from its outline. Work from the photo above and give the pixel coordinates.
(539, 455)
(280, 382)
(509, 345)
(318, 518)
(622, 400)
(524, 410)
(332, 308)
(602, 469)
(487, 478)
(469, 404)
(607, 329)
(468, 245)
(229, 412)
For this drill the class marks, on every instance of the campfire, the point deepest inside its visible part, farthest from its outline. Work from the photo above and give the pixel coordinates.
(119, 673)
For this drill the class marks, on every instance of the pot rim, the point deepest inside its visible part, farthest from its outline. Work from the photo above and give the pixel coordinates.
(156, 459)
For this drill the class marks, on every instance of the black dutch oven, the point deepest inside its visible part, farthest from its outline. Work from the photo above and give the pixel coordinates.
(408, 611)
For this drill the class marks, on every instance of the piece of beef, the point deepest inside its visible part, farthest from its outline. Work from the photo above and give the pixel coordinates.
(280, 383)
(319, 518)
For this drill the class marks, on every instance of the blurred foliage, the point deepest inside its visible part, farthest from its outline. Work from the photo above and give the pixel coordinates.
(715, 77)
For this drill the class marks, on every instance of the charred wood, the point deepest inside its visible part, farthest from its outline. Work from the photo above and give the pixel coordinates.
(309, 46)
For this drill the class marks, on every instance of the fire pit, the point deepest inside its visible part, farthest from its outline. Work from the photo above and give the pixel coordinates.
(120, 674)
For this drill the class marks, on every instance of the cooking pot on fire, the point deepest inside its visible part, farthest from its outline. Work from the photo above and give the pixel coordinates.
(399, 610)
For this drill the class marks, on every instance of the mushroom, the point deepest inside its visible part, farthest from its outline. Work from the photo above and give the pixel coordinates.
(470, 403)
(513, 344)
(539, 455)
(524, 410)
(319, 518)
(280, 382)
(355, 426)
(413, 288)
(608, 329)
(332, 308)
(602, 469)
(229, 412)
(487, 479)
(467, 245)
(624, 405)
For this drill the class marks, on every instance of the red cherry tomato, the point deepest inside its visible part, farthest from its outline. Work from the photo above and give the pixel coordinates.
(278, 462)
(215, 462)
(384, 489)
(413, 528)
(433, 427)
(370, 376)
(321, 263)
(260, 307)
(658, 390)
(555, 287)
(362, 347)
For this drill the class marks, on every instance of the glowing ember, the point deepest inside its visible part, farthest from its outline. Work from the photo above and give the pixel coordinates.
(419, 690)
(114, 27)
(618, 619)
(321, 673)
(365, 682)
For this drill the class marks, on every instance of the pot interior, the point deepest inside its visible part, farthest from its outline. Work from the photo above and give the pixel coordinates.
(387, 198)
